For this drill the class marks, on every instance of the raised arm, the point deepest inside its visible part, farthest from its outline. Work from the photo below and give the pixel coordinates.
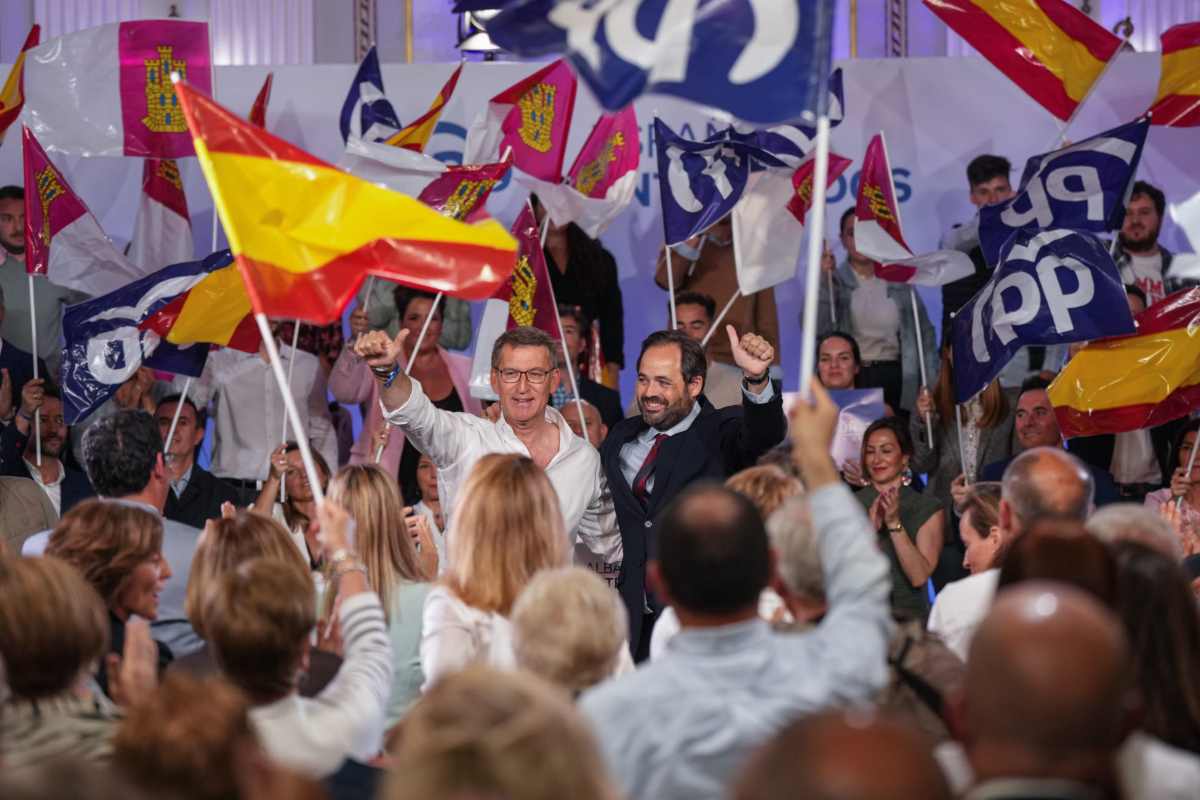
(350, 380)
(383, 355)
(762, 425)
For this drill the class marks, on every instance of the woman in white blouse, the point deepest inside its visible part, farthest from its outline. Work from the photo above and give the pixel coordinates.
(507, 527)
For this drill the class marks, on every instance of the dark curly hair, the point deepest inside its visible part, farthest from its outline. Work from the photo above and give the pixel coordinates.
(119, 452)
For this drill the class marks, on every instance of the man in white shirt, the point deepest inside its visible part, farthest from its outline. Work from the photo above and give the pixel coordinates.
(524, 375)
(1042, 481)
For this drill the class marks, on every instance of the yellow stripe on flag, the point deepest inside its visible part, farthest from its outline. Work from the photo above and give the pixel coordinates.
(1066, 57)
(213, 309)
(301, 216)
(1180, 73)
(1142, 369)
(10, 95)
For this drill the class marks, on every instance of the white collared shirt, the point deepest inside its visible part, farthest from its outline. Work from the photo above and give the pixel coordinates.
(53, 489)
(454, 441)
(960, 607)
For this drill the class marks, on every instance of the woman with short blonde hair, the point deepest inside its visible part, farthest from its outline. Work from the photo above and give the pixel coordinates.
(507, 527)
(767, 486)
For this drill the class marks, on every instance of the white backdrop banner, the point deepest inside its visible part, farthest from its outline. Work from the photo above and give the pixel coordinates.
(937, 114)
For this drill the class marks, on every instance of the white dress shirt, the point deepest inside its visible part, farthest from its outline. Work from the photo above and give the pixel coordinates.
(53, 489)
(454, 634)
(454, 441)
(960, 607)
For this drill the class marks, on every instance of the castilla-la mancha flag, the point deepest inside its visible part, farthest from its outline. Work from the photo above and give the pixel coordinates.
(63, 240)
(107, 91)
(162, 234)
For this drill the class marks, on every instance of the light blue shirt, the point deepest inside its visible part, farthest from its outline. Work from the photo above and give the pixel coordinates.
(180, 486)
(681, 727)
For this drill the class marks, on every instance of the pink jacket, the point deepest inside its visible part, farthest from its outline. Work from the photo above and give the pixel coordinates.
(351, 382)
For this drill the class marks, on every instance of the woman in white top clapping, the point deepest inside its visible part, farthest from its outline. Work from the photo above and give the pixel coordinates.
(506, 528)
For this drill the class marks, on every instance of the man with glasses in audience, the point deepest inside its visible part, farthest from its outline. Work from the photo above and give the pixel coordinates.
(524, 376)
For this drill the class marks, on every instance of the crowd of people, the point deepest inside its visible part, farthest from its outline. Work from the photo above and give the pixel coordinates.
(546, 595)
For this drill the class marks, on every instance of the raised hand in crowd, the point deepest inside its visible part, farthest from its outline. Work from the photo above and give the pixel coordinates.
(135, 392)
(383, 354)
(334, 529)
(422, 536)
(752, 353)
(33, 394)
(1180, 483)
(813, 422)
(925, 403)
(852, 473)
(133, 675)
(1185, 530)
(959, 492)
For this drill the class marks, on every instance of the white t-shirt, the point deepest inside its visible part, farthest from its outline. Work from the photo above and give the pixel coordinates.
(876, 320)
(1145, 272)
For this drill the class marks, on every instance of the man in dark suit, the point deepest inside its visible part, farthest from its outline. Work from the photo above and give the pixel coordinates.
(16, 370)
(607, 401)
(63, 485)
(196, 495)
(677, 439)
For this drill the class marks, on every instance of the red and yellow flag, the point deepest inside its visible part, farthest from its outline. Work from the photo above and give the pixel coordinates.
(1049, 48)
(1178, 100)
(305, 234)
(12, 96)
(1136, 381)
(415, 135)
(258, 111)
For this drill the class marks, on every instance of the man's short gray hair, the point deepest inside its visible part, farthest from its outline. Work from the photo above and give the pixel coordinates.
(1032, 495)
(525, 336)
(797, 554)
(1129, 522)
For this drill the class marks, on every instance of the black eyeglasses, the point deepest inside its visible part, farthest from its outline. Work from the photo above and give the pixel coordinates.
(535, 376)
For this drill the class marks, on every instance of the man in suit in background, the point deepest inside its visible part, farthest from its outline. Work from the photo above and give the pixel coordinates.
(679, 438)
(63, 485)
(196, 494)
(16, 370)
(607, 401)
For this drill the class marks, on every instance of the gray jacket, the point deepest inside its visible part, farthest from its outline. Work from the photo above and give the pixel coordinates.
(844, 284)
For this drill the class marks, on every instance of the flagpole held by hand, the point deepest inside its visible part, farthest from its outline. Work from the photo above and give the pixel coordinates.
(826, 253)
(716, 323)
(187, 385)
(967, 469)
(291, 363)
(816, 241)
(37, 416)
(437, 298)
(671, 289)
(921, 358)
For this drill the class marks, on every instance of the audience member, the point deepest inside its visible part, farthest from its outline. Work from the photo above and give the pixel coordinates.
(430, 506)
(575, 326)
(63, 486)
(294, 506)
(196, 494)
(398, 569)
(726, 683)
(16, 365)
(1128, 522)
(677, 439)
(377, 299)
(24, 510)
(839, 360)
(118, 548)
(482, 733)
(1183, 489)
(766, 486)
(596, 431)
(1062, 551)
(694, 315)
(509, 526)
(1142, 260)
(259, 623)
(569, 627)
(843, 755)
(979, 527)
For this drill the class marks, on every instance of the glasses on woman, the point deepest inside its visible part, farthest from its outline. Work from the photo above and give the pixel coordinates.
(535, 376)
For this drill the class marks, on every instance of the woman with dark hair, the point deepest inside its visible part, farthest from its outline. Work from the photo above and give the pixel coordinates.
(909, 524)
(1163, 625)
(298, 508)
(1183, 487)
(838, 360)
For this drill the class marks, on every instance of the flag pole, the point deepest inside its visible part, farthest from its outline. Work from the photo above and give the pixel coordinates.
(37, 415)
(283, 437)
(289, 407)
(416, 348)
(1188, 475)
(912, 293)
(716, 323)
(962, 450)
(816, 242)
(187, 384)
(562, 335)
(832, 299)
(367, 297)
(1062, 129)
(671, 286)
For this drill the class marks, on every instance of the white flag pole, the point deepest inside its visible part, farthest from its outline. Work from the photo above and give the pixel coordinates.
(283, 438)
(716, 323)
(367, 297)
(416, 348)
(832, 299)
(289, 407)
(671, 286)
(912, 293)
(563, 338)
(1188, 475)
(816, 242)
(37, 414)
(187, 384)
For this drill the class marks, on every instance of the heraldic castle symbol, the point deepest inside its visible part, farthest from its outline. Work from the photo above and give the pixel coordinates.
(162, 106)
(537, 117)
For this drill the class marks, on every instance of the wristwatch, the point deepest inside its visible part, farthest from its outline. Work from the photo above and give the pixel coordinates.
(895, 528)
(748, 381)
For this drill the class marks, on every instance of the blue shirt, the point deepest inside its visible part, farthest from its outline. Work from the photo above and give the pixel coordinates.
(681, 727)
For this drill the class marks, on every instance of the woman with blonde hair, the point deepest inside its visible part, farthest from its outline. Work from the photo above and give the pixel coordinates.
(398, 569)
(507, 527)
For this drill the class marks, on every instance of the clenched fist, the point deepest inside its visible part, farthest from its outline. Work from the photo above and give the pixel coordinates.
(379, 350)
(753, 353)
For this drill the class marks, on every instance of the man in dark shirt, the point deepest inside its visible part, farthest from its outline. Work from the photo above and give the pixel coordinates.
(196, 494)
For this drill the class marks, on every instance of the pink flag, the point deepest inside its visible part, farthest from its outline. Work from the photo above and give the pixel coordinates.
(877, 232)
(462, 192)
(533, 117)
(162, 234)
(802, 182)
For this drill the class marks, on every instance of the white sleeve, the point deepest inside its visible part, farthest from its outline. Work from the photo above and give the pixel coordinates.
(448, 641)
(442, 435)
(598, 529)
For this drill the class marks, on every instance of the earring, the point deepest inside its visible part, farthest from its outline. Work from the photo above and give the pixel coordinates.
(906, 477)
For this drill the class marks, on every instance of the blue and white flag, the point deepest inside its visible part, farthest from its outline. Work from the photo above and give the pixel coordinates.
(367, 114)
(764, 61)
(700, 182)
(786, 146)
(1083, 187)
(105, 345)
(1051, 287)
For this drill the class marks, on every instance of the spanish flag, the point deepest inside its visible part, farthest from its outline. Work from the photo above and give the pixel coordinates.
(1049, 48)
(415, 135)
(1178, 100)
(1136, 381)
(12, 96)
(305, 234)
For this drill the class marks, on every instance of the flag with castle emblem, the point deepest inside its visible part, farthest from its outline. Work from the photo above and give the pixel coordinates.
(533, 117)
(63, 240)
(461, 192)
(162, 234)
(107, 91)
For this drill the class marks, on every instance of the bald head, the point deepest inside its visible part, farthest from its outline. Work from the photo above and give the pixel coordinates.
(844, 756)
(1046, 685)
(596, 429)
(1044, 481)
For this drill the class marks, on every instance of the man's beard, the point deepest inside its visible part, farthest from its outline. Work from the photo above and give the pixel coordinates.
(1142, 245)
(671, 415)
(14, 249)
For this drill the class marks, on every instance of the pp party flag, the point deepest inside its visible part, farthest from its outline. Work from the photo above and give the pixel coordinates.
(764, 61)
(107, 339)
(700, 182)
(602, 181)
(1178, 99)
(878, 235)
(1050, 49)
(366, 112)
(64, 241)
(1084, 187)
(533, 117)
(305, 234)
(1138, 381)
(12, 96)
(162, 234)
(415, 135)
(802, 183)
(258, 111)
(786, 146)
(461, 192)
(107, 91)
(1052, 287)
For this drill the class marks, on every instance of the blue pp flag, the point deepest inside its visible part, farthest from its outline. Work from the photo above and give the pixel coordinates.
(1051, 287)
(763, 61)
(105, 345)
(700, 182)
(786, 146)
(1082, 187)
(367, 114)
